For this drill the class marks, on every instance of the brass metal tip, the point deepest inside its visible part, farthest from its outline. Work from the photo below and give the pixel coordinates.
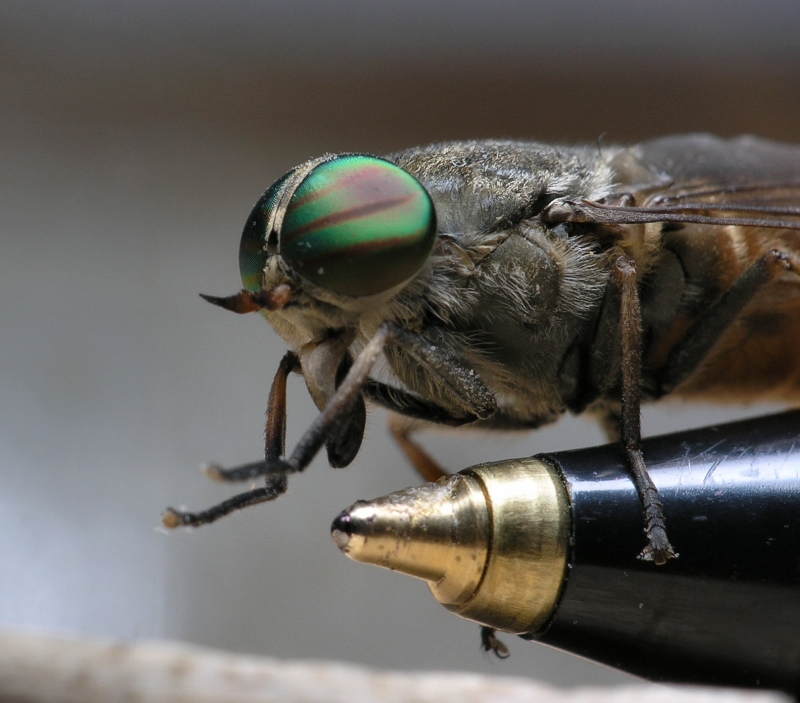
(491, 542)
(437, 532)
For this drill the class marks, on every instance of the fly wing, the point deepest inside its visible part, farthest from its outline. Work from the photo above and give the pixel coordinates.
(701, 179)
(692, 162)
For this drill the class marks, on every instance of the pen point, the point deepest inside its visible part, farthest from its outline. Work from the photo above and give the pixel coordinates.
(491, 542)
(341, 530)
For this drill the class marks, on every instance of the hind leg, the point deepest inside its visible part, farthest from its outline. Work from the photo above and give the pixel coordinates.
(401, 429)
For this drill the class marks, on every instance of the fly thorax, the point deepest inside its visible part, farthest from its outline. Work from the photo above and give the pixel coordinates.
(520, 281)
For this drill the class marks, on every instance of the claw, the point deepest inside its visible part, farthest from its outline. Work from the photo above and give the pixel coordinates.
(658, 548)
(171, 518)
(214, 472)
(490, 643)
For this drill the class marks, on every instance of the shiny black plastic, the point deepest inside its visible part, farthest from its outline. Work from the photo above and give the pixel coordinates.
(727, 611)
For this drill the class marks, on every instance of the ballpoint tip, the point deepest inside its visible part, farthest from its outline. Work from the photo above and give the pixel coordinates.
(341, 529)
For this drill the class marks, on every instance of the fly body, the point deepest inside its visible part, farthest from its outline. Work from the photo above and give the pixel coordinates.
(505, 283)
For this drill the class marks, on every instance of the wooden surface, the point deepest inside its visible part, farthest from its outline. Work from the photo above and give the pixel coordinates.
(50, 669)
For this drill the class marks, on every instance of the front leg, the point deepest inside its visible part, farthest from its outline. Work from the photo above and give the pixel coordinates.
(348, 396)
(275, 439)
(463, 382)
(275, 466)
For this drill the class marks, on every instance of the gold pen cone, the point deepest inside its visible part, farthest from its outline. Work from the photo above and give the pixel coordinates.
(491, 541)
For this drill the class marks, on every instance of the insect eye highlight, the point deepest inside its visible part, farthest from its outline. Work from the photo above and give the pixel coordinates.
(358, 225)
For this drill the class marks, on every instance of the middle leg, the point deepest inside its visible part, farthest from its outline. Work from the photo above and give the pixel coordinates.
(658, 548)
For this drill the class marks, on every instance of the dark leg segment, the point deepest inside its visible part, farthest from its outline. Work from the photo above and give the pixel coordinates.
(275, 467)
(490, 643)
(350, 390)
(683, 361)
(342, 401)
(276, 485)
(434, 352)
(406, 408)
(243, 472)
(658, 548)
(604, 360)
(345, 437)
(274, 432)
(411, 405)
(275, 440)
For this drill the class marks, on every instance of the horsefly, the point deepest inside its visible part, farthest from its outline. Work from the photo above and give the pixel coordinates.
(505, 283)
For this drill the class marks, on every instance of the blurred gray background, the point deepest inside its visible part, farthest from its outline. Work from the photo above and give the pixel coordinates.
(134, 138)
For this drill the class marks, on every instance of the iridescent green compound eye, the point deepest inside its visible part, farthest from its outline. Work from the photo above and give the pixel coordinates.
(355, 225)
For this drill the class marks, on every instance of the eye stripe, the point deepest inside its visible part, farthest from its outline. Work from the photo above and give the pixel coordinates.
(353, 214)
(321, 257)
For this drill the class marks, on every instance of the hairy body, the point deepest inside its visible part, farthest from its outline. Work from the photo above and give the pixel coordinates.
(557, 278)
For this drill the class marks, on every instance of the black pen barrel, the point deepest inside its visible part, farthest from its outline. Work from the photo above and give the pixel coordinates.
(727, 611)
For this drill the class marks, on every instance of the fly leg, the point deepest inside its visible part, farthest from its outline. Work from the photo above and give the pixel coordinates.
(413, 406)
(407, 410)
(274, 438)
(274, 432)
(426, 466)
(714, 322)
(276, 485)
(490, 643)
(337, 414)
(344, 439)
(467, 395)
(658, 548)
(463, 382)
(682, 362)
